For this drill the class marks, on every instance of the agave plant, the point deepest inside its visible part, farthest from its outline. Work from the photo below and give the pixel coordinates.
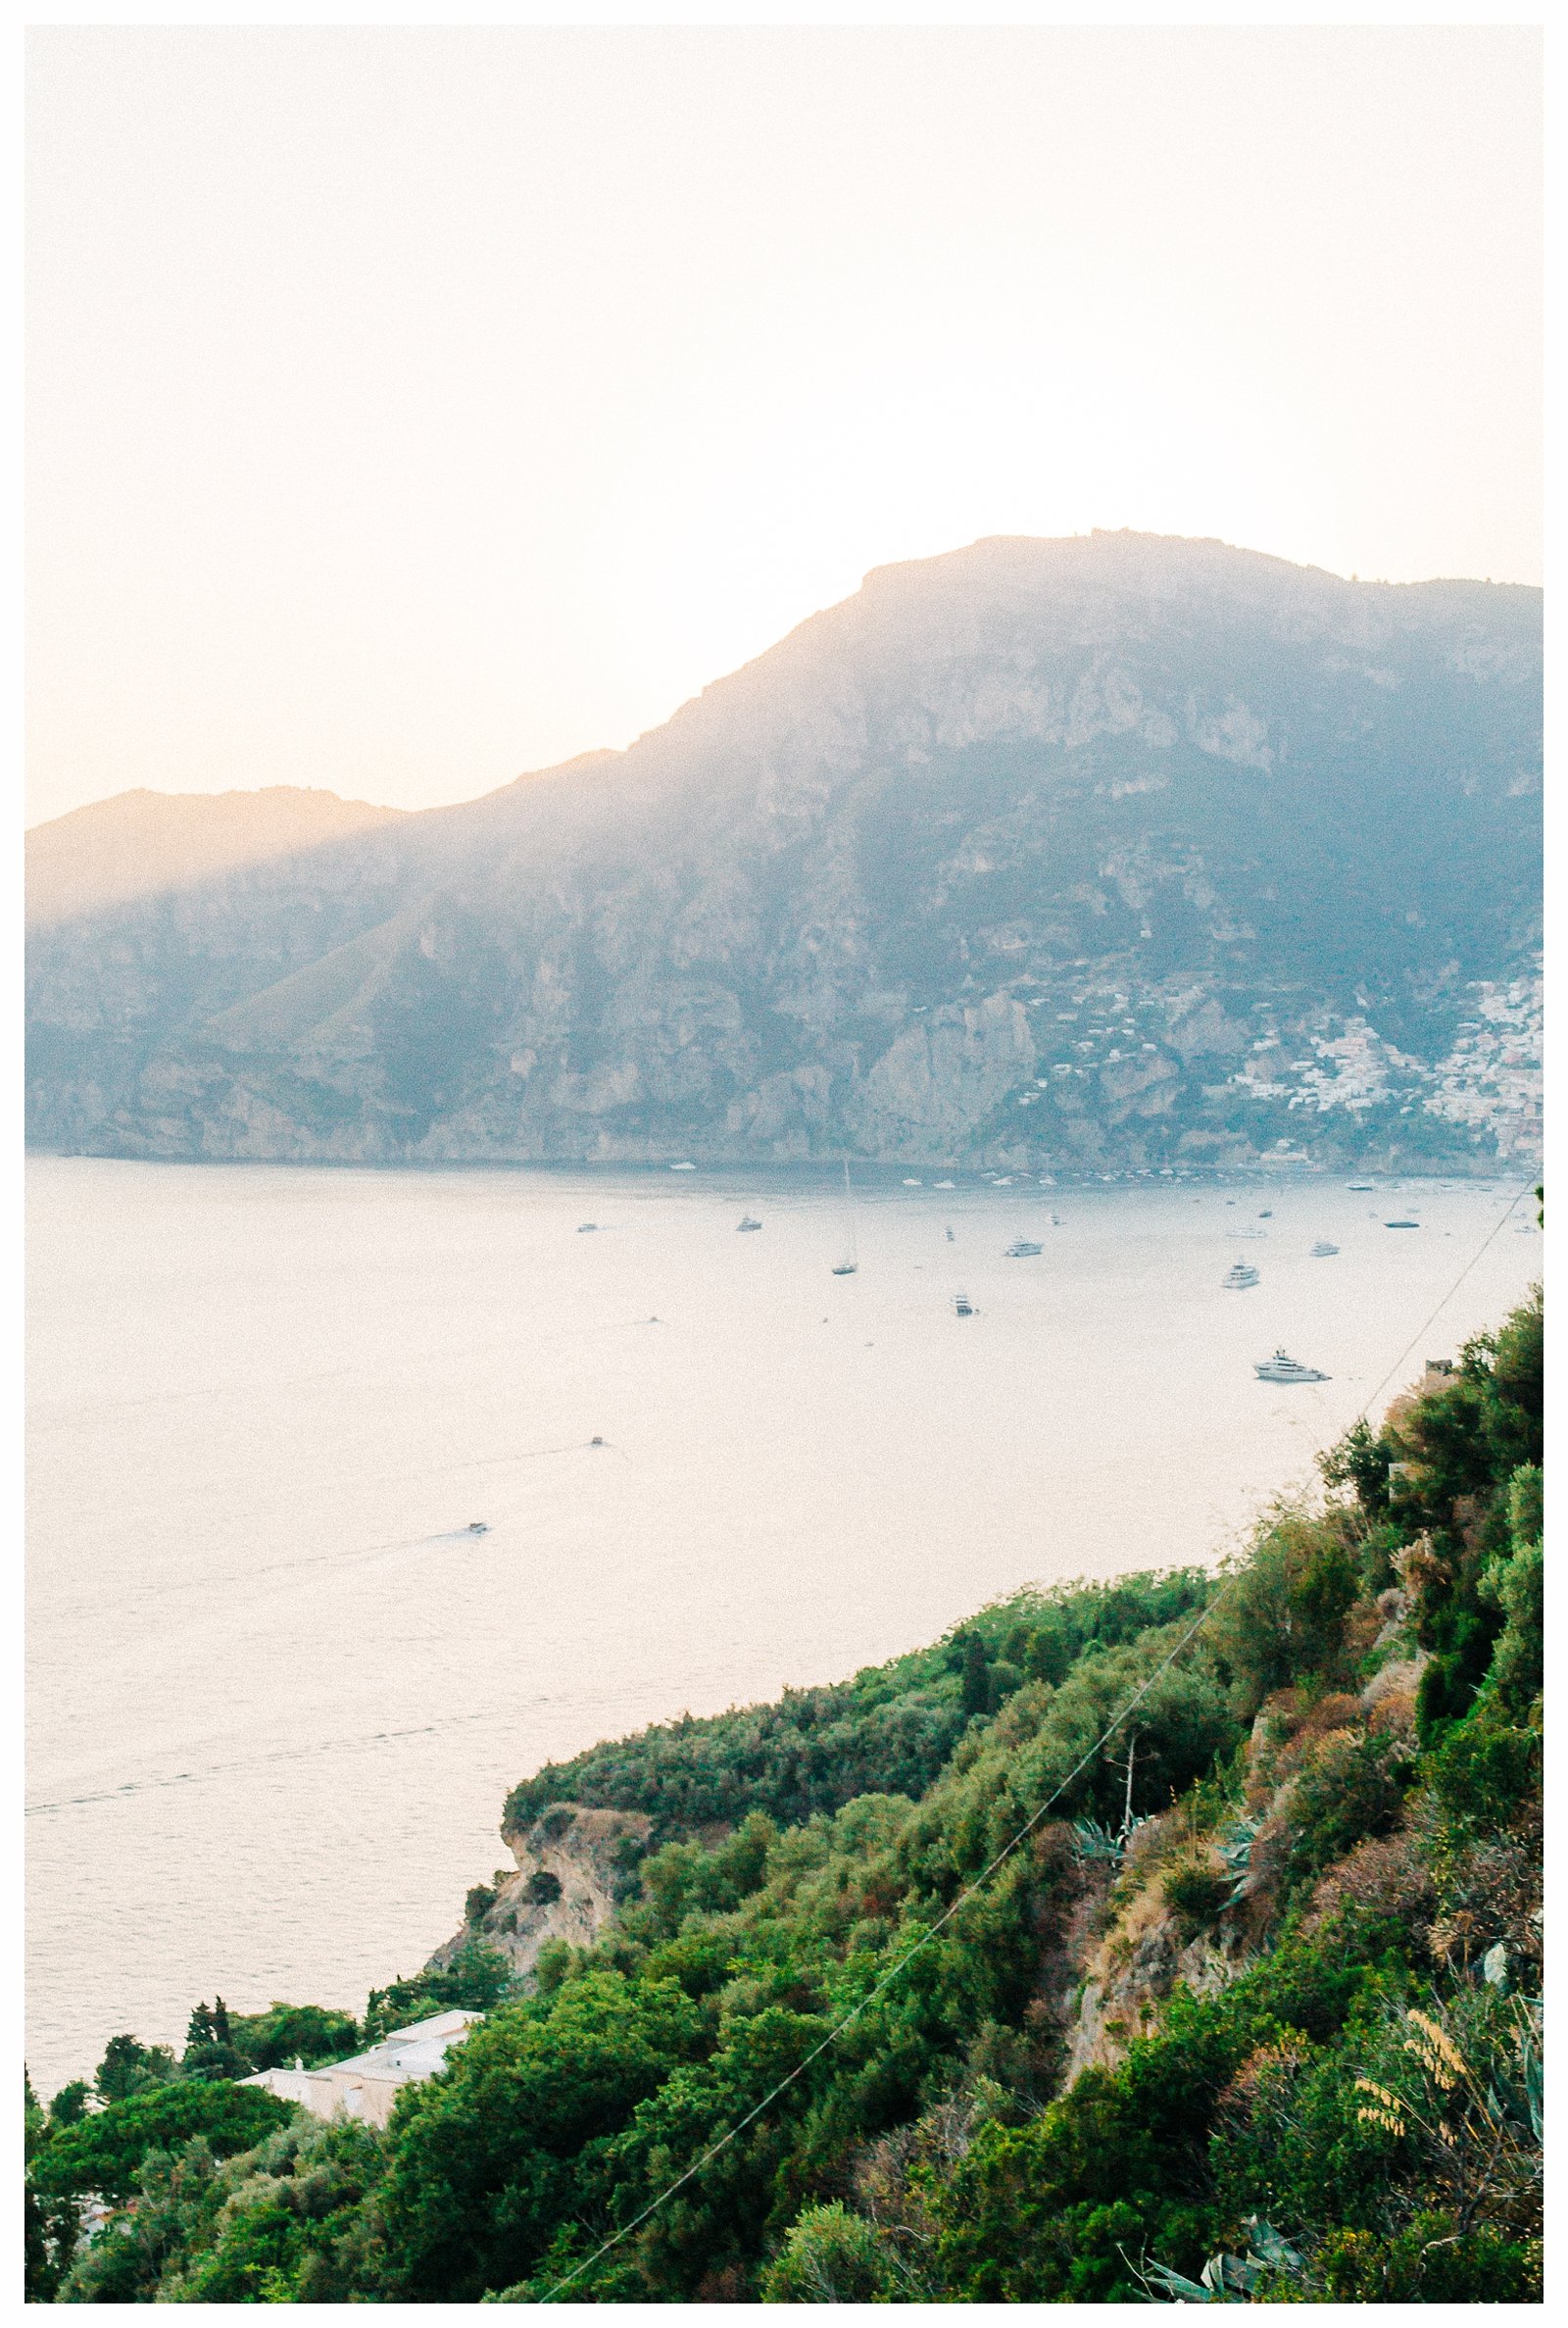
(1093, 1842)
(1234, 1845)
(1227, 2279)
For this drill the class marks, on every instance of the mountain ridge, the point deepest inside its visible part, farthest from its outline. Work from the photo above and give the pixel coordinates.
(1258, 816)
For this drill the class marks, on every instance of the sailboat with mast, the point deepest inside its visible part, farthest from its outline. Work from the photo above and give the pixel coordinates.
(852, 1249)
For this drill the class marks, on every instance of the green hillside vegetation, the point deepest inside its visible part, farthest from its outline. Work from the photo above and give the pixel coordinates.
(1249, 2011)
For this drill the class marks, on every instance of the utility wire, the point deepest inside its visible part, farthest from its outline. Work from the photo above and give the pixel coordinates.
(968, 1893)
(1426, 1323)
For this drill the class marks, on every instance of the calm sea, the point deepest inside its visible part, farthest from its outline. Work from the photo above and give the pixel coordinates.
(279, 1690)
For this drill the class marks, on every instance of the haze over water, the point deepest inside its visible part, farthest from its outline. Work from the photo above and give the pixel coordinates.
(278, 1691)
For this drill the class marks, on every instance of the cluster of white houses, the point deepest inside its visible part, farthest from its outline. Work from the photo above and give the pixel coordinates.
(368, 2084)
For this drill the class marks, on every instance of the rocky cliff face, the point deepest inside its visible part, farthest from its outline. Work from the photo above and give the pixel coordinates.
(573, 1864)
(1098, 855)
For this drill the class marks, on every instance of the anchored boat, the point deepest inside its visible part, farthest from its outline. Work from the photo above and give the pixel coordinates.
(962, 1306)
(1022, 1250)
(746, 1222)
(1322, 1249)
(1279, 1368)
(1238, 1278)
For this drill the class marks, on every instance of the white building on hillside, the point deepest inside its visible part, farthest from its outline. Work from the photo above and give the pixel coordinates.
(367, 2086)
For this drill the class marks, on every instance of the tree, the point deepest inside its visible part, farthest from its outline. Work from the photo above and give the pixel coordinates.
(287, 2033)
(104, 2152)
(130, 2067)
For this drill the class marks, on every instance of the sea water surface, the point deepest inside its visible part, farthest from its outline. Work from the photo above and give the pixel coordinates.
(279, 1689)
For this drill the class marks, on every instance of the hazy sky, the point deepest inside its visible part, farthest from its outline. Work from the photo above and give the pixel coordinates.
(411, 408)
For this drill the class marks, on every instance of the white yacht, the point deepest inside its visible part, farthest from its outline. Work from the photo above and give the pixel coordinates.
(1239, 1278)
(746, 1222)
(962, 1306)
(1279, 1368)
(1322, 1249)
(1022, 1250)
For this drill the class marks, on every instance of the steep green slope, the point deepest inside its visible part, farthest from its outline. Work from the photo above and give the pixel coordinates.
(1209, 1946)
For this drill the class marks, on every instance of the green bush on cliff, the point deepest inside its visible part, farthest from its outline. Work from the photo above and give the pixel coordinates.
(888, 1731)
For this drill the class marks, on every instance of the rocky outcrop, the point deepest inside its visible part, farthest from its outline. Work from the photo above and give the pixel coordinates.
(1141, 1954)
(1106, 854)
(572, 1864)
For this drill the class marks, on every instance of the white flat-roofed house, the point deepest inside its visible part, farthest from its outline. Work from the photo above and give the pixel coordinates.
(367, 2085)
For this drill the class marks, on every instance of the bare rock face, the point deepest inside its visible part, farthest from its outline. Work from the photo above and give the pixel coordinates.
(571, 1864)
(1112, 853)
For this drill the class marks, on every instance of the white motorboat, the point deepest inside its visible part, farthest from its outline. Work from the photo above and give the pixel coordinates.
(747, 1223)
(1279, 1368)
(962, 1306)
(1238, 1278)
(1322, 1249)
(1021, 1249)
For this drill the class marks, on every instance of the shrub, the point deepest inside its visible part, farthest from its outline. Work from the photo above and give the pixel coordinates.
(829, 2255)
(1194, 1893)
(1281, 1622)
(1352, 1787)
(1485, 1769)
